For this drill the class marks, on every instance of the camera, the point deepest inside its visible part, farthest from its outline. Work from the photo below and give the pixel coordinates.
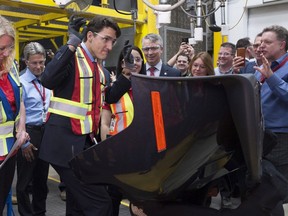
(185, 40)
(128, 57)
(49, 53)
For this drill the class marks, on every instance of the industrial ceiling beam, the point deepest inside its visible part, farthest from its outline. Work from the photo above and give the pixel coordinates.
(43, 19)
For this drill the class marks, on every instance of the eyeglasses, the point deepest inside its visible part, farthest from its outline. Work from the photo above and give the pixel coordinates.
(8, 48)
(106, 39)
(225, 54)
(35, 64)
(153, 48)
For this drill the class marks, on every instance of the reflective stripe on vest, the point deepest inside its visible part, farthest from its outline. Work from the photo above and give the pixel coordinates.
(68, 108)
(6, 131)
(15, 77)
(2, 113)
(123, 113)
(86, 94)
(6, 128)
(14, 73)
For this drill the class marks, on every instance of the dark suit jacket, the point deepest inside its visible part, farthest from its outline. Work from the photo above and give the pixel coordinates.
(59, 143)
(168, 71)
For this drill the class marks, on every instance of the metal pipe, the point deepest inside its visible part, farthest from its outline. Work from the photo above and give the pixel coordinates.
(192, 26)
(223, 20)
(198, 13)
(157, 8)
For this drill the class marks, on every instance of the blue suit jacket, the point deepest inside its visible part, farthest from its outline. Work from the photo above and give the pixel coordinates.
(248, 68)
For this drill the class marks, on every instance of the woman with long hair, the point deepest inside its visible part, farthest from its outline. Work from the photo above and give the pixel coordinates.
(202, 65)
(12, 114)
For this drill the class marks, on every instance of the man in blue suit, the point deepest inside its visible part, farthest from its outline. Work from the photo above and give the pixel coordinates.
(152, 46)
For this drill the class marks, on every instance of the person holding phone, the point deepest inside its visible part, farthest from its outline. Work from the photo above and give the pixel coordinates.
(182, 64)
(184, 48)
(244, 52)
(78, 80)
(249, 66)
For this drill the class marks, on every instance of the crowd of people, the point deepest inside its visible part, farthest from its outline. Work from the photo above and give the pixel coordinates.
(86, 101)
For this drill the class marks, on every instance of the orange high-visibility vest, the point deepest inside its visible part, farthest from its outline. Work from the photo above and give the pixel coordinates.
(122, 114)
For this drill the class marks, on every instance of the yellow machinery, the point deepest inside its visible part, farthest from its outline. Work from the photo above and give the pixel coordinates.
(35, 20)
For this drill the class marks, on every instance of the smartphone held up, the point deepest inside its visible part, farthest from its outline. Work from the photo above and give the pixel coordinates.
(241, 52)
(185, 40)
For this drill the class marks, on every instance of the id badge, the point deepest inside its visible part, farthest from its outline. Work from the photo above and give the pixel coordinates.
(44, 116)
(112, 124)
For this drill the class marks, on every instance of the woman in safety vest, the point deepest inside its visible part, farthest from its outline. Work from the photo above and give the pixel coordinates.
(12, 111)
(116, 117)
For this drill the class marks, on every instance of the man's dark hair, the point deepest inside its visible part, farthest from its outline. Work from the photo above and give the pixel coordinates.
(100, 22)
(183, 54)
(243, 42)
(231, 45)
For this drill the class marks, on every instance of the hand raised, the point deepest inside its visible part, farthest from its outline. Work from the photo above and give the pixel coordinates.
(74, 25)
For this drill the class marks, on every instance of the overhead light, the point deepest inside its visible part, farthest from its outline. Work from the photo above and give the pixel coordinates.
(82, 4)
(63, 3)
(163, 17)
(213, 27)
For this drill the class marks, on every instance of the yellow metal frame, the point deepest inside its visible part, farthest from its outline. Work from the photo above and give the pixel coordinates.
(218, 40)
(50, 21)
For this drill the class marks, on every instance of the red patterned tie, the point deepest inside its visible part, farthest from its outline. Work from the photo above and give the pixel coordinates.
(152, 70)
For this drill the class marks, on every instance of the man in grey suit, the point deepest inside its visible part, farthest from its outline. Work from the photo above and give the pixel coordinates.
(152, 46)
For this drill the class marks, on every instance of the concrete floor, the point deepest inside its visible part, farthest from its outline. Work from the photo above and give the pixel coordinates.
(56, 207)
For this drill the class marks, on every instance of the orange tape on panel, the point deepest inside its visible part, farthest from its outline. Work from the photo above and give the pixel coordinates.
(158, 121)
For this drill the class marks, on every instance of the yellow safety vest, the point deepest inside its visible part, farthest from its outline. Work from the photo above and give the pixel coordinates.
(79, 108)
(7, 117)
(122, 114)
